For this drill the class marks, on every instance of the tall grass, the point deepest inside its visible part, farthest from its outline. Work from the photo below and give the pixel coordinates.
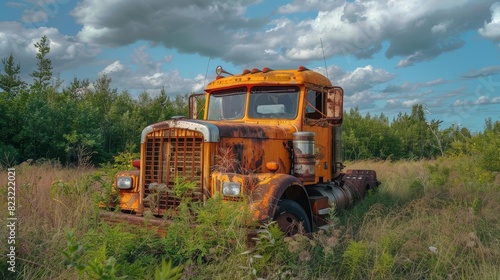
(442, 222)
(428, 220)
(50, 201)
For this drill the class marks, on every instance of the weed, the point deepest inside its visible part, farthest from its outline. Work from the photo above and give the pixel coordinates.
(226, 161)
(167, 272)
(438, 175)
(106, 270)
(355, 257)
(268, 259)
(123, 161)
(74, 253)
(183, 186)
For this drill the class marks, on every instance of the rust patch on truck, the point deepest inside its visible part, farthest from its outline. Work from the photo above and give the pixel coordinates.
(266, 194)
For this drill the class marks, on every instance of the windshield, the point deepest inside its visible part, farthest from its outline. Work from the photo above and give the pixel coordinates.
(265, 103)
(227, 105)
(273, 102)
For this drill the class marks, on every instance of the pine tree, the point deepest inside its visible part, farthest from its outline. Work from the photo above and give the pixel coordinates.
(10, 81)
(43, 74)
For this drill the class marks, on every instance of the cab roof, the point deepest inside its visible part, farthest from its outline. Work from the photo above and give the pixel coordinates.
(298, 76)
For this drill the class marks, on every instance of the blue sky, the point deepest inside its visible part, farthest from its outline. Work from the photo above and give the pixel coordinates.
(387, 55)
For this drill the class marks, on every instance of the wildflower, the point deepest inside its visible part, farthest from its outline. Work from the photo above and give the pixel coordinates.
(433, 249)
(304, 256)
(313, 243)
(293, 246)
(332, 241)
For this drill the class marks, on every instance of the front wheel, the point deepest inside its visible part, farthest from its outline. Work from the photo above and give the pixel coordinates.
(289, 216)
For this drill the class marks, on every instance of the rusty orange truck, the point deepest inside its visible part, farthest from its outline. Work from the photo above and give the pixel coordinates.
(268, 137)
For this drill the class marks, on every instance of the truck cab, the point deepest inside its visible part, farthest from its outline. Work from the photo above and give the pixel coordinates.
(269, 137)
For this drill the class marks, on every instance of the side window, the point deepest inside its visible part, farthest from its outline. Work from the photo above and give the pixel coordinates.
(314, 104)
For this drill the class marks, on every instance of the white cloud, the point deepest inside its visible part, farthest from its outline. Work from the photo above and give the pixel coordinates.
(413, 31)
(301, 6)
(190, 26)
(364, 78)
(279, 24)
(401, 104)
(199, 83)
(491, 29)
(483, 72)
(364, 100)
(441, 28)
(147, 74)
(435, 82)
(416, 30)
(461, 103)
(38, 12)
(154, 81)
(480, 100)
(393, 104)
(410, 103)
(487, 100)
(409, 87)
(114, 67)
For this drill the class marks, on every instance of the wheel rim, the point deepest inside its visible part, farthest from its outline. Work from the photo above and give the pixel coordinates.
(288, 223)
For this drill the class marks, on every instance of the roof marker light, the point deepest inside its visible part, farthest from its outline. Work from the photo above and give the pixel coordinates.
(302, 68)
(255, 70)
(266, 69)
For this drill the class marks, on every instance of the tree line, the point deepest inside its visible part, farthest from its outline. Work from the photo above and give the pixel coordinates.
(90, 122)
(82, 123)
(412, 137)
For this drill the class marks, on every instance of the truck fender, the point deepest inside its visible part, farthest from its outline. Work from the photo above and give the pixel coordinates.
(268, 191)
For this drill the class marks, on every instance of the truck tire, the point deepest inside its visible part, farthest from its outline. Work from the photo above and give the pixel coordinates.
(289, 215)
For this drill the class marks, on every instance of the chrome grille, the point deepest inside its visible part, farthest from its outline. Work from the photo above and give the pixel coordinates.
(171, 154)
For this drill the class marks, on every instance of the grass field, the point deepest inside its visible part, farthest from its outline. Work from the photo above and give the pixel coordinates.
(428, 220)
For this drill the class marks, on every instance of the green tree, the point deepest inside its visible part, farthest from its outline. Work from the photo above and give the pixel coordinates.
(154, 109)
(353, 140)
(10, 81)
(10, 115)
(82, 140)
(126, 130)
(487, 146)
(45, 113)
(43, 74)
(97, 99)
(369, 137)
(178, 107)
(420, 139)
(46, 117)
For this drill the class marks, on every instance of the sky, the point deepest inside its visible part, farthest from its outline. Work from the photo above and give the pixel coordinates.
(388, 55)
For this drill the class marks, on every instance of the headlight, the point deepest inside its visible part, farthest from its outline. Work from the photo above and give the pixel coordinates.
(231, 188)
(124, 182)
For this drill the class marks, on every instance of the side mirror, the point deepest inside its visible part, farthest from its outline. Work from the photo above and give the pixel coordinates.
(334, 105)
(196, 106)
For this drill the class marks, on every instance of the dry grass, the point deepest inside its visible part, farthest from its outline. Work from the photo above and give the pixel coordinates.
(428, 220)
(50, 201)
(448, 211)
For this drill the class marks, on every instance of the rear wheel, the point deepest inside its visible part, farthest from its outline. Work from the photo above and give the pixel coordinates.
(289, 216)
